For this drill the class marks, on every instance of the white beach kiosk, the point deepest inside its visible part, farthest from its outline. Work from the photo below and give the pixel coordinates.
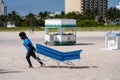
(62, 36)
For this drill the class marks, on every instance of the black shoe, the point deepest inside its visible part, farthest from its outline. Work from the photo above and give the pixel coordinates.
(30, 66)
(42, 65)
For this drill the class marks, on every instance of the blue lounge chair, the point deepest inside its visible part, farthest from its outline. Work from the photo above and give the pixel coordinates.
(58, 55)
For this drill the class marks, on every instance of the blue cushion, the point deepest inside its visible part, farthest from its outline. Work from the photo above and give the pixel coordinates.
(58, 55)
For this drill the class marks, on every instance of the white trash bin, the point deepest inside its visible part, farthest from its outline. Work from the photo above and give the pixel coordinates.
(112, 40)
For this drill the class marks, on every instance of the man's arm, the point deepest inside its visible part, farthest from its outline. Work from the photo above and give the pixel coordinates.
(31, 47)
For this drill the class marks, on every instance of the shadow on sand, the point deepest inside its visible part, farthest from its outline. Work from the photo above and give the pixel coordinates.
(5, 71)
(72, 67)
(84, 44)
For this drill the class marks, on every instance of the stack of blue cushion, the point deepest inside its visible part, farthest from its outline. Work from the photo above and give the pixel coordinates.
(58, 55)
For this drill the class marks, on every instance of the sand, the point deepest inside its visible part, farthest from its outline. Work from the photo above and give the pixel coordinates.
(95, 63)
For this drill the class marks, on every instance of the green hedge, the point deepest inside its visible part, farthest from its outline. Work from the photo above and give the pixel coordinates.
(89, 23)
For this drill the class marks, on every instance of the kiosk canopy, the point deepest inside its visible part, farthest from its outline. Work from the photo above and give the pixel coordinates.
(57, 23)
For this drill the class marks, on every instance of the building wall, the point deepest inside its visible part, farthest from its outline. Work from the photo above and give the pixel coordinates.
(82, 5)
(72, 5)
(3, 8)
(118, 6)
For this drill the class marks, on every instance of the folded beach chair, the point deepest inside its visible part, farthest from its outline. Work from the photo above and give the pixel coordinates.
(59, 56)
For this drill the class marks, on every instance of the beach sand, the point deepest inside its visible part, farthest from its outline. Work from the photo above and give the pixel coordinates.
(95, 63)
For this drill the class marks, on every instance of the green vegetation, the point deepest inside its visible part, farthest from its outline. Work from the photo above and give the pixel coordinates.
(21, 29)
(89, 20)
(98, 28)
(89, 23)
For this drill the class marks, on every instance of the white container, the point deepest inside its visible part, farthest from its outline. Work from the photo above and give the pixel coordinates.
(112, 41)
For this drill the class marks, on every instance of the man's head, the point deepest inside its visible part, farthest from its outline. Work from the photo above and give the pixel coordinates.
(22, 35)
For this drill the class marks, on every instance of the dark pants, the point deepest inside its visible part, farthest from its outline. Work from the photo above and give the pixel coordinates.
(32, 53)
